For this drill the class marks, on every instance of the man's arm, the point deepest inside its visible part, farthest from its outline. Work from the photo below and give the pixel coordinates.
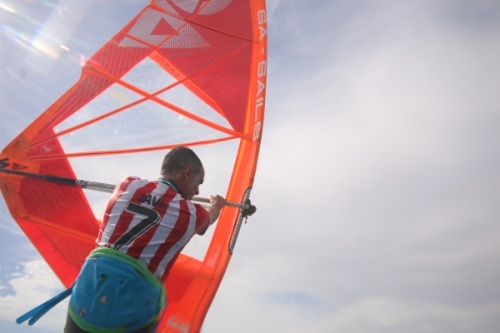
(217, 203)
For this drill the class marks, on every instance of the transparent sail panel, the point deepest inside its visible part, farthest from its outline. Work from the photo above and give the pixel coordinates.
(123, 118)
(144, 125)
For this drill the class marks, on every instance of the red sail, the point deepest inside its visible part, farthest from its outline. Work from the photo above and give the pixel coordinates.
(181, 72)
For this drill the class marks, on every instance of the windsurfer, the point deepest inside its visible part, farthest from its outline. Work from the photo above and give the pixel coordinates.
(145, 227)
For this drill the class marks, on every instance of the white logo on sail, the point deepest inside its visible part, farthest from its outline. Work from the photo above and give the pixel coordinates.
(203, 7)
(162, 30)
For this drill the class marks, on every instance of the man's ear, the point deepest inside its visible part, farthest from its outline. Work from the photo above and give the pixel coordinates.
(187, 172)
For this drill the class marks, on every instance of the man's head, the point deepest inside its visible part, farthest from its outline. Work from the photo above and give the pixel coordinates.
(183, 166)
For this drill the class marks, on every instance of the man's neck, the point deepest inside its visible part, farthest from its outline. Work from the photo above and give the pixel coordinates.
(169, 182)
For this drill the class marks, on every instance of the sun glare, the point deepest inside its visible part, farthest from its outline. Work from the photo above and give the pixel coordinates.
(7, 8)
(44, 46)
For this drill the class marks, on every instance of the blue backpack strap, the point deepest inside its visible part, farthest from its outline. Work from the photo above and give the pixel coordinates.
(39, 311)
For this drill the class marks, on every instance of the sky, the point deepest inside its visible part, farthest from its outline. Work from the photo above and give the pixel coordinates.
(377, 188)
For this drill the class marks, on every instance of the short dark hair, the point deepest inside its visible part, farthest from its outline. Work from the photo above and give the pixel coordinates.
(178, 159)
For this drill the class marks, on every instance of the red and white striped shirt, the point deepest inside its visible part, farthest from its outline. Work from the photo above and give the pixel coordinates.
(151, 222)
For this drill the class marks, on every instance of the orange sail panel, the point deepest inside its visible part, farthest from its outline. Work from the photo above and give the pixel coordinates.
(181, 72)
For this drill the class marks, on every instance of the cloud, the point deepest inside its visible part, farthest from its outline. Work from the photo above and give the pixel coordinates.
(34, 284)
(377, 181)
(392, 315)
